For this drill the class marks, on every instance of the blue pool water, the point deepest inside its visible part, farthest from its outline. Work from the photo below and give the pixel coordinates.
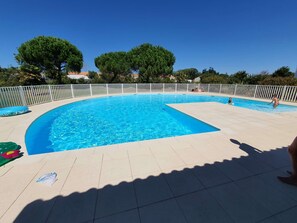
(118, 119)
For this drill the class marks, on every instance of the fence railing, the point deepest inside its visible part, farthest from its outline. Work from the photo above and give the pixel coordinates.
(38, 94)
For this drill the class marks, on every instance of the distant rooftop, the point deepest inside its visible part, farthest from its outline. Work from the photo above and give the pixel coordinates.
(76, 75)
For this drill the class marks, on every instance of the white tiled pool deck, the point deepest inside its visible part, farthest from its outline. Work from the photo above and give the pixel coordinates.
(224, 176)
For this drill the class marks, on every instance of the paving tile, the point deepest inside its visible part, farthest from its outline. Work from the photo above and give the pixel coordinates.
(115, 199)
(240, 206)
(169, 161)
(127, 216)
(13, 184)
(151, 190)
(143, 164)
(183, 182)
(166, 211)
(288, 216)
(271, 179)
(76, 207)
(270, 220)
(26, 204)
(233, 170)
(161, 149)
(202, 207)
(140, 151)
(115, 169)
(254, 165)
(210, 176)
(266, 194)
(276, 158)
(115, 153)
(189, 155)
(83, 175)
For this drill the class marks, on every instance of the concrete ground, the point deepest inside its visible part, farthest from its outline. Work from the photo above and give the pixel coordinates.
(224, 176)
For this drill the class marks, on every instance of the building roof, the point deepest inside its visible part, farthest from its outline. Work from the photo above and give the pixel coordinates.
(84, 73)
(76, 75)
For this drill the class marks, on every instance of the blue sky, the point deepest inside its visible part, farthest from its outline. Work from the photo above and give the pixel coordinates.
(228, 35)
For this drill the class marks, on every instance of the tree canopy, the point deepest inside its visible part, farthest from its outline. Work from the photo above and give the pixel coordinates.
(113, 65)
(51, 56)
(283, 72)
(151, 62)
(239, 77)
(186, 74)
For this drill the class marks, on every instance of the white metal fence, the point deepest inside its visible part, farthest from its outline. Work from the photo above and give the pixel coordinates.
(38, 94)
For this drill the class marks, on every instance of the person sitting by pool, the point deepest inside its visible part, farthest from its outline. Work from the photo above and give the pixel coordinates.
(275, 101)
(292, 149)
(230, 102)
(196, 90)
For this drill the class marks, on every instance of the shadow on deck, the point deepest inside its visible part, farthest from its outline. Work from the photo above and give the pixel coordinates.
(243, 189)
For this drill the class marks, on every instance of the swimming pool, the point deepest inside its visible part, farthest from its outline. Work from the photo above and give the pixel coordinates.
(119, 119)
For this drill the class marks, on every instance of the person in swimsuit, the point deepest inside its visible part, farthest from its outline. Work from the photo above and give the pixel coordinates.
(230, 101)
(275, 101)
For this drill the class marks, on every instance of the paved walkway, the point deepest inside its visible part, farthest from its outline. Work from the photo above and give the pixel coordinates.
(225, 176)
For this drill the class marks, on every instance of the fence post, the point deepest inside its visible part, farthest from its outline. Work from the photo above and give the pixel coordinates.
(91, 90)
(22, 95)
(50, 92)
(255, 91)
(187, 87)
(136, 88)
(2, 99)
(208, 87)
(122, 88)
(235, 89)
(220, 88)
(72, 92)
(150, 87)
(284, 91)
(107, 89)
(175, 87)
(163, 87)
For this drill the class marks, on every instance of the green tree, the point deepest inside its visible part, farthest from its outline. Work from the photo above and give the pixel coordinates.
(210, 71)
(255, 79)
(113, 66)
(283, 72)
(270, 80)
(186, 74)
(13, 76)
(151, 62)
(92, 74)
(239, 77)
(51, 56)
(181, 77)
(214, 78)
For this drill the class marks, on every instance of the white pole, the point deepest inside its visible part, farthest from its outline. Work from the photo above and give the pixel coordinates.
(50, 92)
(235, 89)
(107, 89)
(22, 95)
(151, 87)
(255, 91)
(91, 90)
(72, 92)
(187, 87)
(122, 88)
(163, 87)
(136, 88)
(283, 94)
(175, 88)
